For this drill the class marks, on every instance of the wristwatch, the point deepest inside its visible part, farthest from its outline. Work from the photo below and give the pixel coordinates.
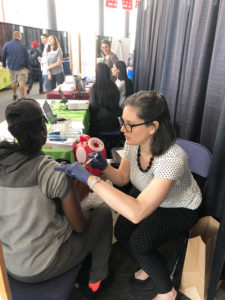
(94, 181)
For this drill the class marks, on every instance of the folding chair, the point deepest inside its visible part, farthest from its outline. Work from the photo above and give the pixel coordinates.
(199, 158)
(58, 288)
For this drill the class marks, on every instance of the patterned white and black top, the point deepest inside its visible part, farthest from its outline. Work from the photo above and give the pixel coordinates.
(173, 164)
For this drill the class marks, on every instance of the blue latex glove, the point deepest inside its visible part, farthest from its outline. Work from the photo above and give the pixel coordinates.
(75, 170)
(99, 162)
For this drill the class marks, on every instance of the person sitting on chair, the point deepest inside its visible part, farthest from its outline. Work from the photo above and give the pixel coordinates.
(38, 242)
(104, 102)
(124, 84)
(169, 195)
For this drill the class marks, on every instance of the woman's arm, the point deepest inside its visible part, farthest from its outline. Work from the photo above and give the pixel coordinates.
(58, 62)
(71, 206)
(120, 176)
(55, 65)
(134, 209)
(49, 72)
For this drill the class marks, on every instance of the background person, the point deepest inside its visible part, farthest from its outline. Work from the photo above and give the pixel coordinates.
(15, 53)
(35, 67)
(169, 197)
(44, 41)
(109, 57)
(38, 242)
(124, 84)
(104, 102)
(54, 58)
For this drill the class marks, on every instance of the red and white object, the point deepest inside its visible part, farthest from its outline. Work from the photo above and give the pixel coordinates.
(89, 145)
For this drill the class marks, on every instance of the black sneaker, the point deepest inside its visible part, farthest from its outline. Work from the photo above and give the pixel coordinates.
(105, 283)
(15, 97)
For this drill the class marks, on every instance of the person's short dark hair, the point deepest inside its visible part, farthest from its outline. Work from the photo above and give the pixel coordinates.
(45, 35)
(26, 122)
(107, 42)
(152, 106)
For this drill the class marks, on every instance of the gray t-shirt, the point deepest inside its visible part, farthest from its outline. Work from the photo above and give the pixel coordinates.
(173, 164)
(31, 229)
(52, 58)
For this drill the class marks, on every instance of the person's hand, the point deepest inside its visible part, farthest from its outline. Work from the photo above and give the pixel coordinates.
(49, 76)
(75, 170)
(99, 162)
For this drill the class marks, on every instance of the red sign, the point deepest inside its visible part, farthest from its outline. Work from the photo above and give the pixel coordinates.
(127, 4)
(111, 3)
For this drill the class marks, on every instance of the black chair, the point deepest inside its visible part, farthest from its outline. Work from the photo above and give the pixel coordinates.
(112, 139)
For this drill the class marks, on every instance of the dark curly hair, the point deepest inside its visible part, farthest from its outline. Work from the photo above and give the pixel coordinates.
(30, 137)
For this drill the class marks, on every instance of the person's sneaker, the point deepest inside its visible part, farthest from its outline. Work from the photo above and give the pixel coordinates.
(43, 92)
(15, 97)
(89, 294)
(28, 91)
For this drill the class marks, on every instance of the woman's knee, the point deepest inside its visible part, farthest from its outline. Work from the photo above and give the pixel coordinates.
(123, 229)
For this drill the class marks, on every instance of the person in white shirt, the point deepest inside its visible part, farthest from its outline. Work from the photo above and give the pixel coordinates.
(44, 41)
(124, 84)
(169, 198)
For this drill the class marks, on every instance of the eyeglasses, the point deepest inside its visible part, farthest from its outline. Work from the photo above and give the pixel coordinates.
(129, 127)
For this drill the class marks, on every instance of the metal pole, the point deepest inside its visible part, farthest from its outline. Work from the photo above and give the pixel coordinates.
(127, 20)
(101, 17)
(52, 23)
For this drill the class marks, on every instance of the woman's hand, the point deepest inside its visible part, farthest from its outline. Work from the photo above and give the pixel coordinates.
(49, 76)
(75, 170)
(99, 162)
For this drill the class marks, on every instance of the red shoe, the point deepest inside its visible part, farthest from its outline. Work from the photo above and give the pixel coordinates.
(28, 91)
(43, 92)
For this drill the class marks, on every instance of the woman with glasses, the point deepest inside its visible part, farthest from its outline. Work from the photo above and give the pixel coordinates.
(110, 58)
(169, 197)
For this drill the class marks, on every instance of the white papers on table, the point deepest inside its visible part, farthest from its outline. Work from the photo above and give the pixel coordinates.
(77, 104)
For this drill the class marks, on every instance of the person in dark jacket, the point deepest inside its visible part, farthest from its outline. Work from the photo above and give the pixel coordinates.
(104, 102)
(35, 67)
(15, 53)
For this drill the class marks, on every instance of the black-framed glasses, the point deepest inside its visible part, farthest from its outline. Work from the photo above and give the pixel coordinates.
(129, 127)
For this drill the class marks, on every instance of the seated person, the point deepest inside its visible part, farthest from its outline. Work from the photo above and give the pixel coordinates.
(124, 84)
(104, 102)
(169, 199)
(38, 242)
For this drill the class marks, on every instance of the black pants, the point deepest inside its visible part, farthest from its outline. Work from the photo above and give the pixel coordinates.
(143, 240)
(35, 74)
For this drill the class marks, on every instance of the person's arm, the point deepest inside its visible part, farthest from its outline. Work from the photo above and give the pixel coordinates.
(4, 55)
(134, 209)
(58, 62)
(27, 62)
(120, 176)
(49, 72)
(71, 206)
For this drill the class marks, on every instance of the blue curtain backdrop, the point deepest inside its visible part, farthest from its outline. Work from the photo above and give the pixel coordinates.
(180, 52)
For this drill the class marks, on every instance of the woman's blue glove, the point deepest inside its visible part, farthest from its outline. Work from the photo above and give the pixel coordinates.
(75, 170)
(99, 162)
